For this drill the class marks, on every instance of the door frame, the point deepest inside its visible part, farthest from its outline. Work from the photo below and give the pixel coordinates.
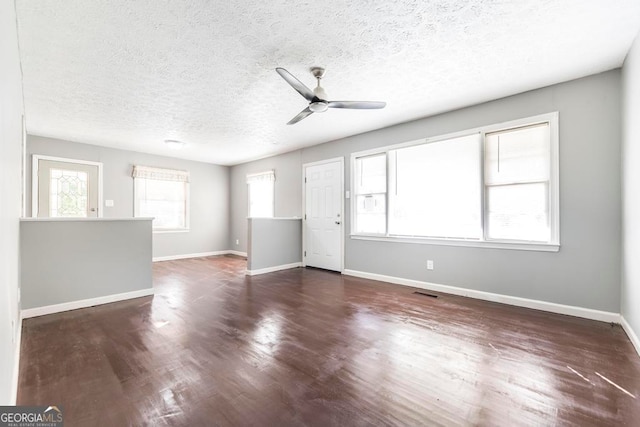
(34, 179)
(304, 207)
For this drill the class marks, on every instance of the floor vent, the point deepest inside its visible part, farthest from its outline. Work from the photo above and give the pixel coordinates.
(426, 294)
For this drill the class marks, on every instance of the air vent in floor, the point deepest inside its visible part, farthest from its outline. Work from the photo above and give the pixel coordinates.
(426, 294)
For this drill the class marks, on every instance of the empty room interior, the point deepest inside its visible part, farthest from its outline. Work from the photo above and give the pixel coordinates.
(325, 213)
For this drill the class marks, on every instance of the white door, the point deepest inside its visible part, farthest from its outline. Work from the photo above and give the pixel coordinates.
(65, 189)
(323, 215)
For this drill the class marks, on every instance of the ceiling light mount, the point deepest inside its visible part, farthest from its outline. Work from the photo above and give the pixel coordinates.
(318, 72)
(174, 144)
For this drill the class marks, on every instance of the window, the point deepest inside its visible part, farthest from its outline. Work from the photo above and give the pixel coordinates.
(371, 193)
(516, 183)
(495, 186)
(436, 189)
(164, 195)
(261, 200)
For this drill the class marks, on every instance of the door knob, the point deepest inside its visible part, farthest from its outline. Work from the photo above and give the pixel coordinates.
(338, 222)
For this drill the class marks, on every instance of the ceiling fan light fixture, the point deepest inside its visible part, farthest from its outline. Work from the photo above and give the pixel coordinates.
(174, 144)
(319, 107)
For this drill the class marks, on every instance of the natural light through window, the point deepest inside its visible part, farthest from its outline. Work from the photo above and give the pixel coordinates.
(68, 196)
(261, 197)
(436, 189)
(517, 183)
(371, 187)
(486, 186)
(162, 194)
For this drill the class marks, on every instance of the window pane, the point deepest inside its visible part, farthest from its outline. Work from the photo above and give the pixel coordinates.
(437, 189)
(518, 212)
(371, 174)
(371, 214)
(165, 201)
(261, 199)
(517, 156)
(68, 193)
(517, 173)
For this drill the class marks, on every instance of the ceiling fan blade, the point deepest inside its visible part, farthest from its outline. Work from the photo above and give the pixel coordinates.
(360, 105)
(301, 115)
(296, 84)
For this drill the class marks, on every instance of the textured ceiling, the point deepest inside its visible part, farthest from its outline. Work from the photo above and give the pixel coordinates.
(132, 73)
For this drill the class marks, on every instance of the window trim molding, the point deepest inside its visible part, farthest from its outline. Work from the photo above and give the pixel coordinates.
(187, 202)
(490, 244)
(34, 179)
(554, 188)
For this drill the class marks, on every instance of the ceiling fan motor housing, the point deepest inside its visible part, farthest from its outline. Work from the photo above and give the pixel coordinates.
(319, 106)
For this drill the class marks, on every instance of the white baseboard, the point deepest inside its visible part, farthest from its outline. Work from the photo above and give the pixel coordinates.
(587, 313)
(242, 254)
(272, 269)
(185, 256)
(630, 333)
(73, 305)
(16, 364)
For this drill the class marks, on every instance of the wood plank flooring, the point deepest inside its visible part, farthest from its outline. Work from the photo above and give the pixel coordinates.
(310, 347)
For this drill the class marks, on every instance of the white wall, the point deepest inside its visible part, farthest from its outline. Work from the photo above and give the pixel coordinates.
(584, 273)
(630, 298)
(11, 110)
(209, 192)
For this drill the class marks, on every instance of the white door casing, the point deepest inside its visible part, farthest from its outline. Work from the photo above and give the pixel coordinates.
(323, 214)
(90, 173)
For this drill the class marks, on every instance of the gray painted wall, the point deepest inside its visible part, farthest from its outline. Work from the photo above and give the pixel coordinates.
(273, 242)
(65, 260)
(288, 192)
(11, 110)
(586, 271)
(209, 192)
(630, 307)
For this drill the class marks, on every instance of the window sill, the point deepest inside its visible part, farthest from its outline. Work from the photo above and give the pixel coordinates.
(518, 246)
(168, 231)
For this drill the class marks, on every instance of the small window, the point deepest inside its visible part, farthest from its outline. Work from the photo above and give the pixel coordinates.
(162, 194)
(261, 198)
(371, 193)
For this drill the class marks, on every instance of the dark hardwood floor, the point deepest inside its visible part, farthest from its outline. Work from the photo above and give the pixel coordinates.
(310, 347)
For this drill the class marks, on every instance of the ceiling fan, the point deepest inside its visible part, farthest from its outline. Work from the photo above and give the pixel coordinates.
(318, 98)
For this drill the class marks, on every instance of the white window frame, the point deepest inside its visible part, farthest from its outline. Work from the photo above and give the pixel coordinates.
(554, 190)
(136, 203)
(269, 175)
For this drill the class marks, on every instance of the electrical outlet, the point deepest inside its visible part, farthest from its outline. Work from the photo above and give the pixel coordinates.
(430, 264)
(237, 241)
